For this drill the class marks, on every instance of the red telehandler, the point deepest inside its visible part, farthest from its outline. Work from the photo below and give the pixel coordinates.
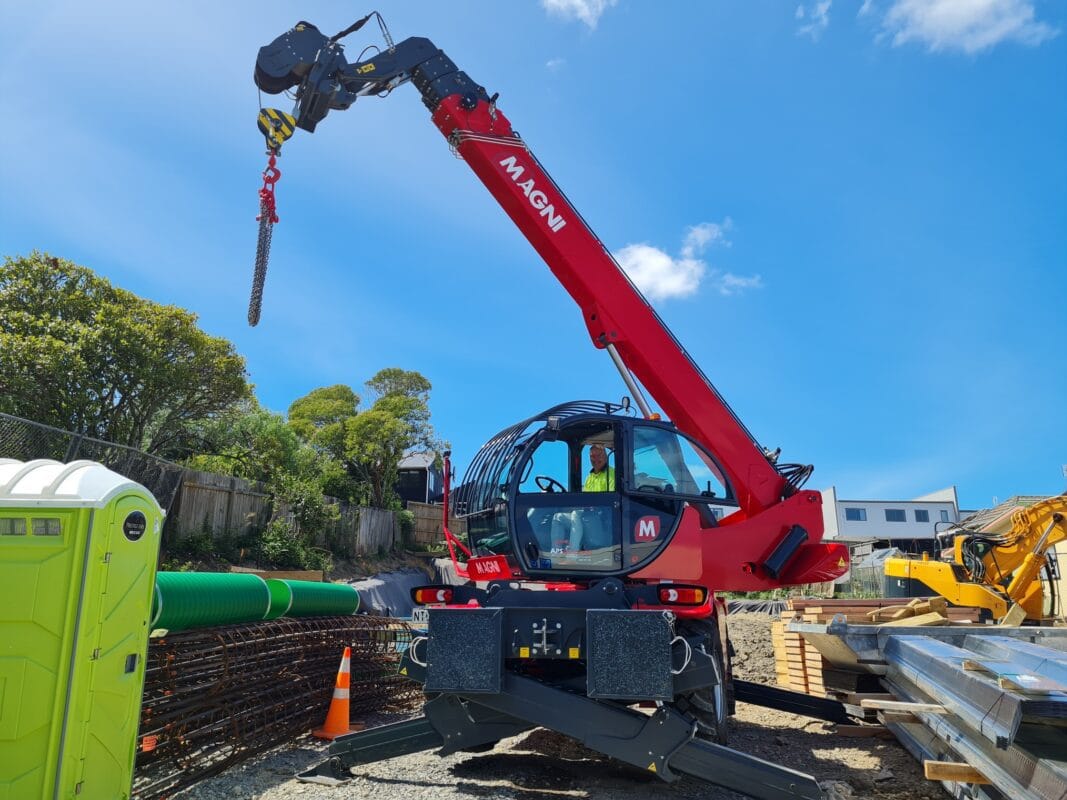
(586, 599)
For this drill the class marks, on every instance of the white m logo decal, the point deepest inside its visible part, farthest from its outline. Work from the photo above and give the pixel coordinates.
(646, 529)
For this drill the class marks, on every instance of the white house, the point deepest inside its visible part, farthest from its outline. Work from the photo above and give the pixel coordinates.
(908, 524)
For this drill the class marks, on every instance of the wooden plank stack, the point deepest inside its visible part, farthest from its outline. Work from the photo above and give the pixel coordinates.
(801, 668)
(789, 656)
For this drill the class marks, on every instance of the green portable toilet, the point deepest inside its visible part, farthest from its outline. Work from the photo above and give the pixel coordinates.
(78, 550)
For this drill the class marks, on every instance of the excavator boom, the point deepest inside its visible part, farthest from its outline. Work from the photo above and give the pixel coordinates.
(995, 568)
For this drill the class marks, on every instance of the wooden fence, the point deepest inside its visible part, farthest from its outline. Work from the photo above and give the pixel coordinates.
(364, 531)
(428, 529)
(219, 505)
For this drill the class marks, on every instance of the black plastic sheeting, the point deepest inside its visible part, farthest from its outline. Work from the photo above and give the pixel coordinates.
(446, 572)
(773, 607)
(389, 594)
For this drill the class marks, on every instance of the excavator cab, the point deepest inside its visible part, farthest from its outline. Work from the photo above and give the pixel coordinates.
(586, 491)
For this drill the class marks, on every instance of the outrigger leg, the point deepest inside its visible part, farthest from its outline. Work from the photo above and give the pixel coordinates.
(663, 743)
(476, 701)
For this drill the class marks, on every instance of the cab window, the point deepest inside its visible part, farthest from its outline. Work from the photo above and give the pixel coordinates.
(666, 463)
(547, 469)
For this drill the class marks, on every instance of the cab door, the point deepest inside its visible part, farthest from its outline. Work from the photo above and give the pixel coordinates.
(567, 502)
(664, 475)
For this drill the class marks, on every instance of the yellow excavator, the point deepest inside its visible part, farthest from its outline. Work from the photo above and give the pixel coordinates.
(996, 566)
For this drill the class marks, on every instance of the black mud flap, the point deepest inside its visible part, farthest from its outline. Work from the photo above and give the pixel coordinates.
(463, 652)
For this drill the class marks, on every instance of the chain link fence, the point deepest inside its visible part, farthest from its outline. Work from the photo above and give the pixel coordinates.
(24, 440)
(864, 581)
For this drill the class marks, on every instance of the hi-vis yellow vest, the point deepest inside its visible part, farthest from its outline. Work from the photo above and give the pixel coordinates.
(603, 481)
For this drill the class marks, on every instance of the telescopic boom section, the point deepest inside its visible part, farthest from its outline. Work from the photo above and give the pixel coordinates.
(615, 312)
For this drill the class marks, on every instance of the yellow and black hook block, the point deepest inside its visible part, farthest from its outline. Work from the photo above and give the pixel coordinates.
(276, 126)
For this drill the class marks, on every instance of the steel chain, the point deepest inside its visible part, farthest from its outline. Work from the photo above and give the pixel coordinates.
(267, 217)
(259, 276)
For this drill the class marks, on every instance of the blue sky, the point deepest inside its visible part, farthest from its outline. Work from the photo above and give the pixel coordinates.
(853, 214)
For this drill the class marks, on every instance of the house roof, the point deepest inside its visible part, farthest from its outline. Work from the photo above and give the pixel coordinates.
(417, 461)
(982, 520)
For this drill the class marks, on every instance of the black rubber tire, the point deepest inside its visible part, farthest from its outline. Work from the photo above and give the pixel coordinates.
(710, 707)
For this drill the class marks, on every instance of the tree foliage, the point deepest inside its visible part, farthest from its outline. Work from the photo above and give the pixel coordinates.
(86, 356)
(250, 442)
(398, 421)
(370, 443)
(396, 382)
(319, 417)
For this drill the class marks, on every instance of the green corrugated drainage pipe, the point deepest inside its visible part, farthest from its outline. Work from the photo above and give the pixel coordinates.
(186, 600)
(281, 598)
(313, 599)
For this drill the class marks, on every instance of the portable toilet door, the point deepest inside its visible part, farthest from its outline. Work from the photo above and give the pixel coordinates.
(78, 551)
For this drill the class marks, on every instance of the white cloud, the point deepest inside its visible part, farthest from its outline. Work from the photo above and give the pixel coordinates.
(555, 64)
(660, 276)
(735, 284)
(588, 11)
(814, 19)
(967, 25)
(700, 236)
(865, 9)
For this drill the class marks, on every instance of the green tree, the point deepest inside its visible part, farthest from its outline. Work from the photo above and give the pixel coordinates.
(83, 355)
(398, 421)
(250, 442)
(368, 443)
(319, 417)
(393, 381)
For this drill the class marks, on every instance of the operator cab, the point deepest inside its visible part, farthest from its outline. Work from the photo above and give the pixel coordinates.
(577, 492)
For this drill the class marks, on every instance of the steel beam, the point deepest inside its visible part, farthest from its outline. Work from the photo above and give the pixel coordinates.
(758, 694)
(1029, 770)
(860, 647)
(938, 668)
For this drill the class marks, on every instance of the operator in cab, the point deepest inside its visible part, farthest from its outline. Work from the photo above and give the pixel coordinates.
(585, 527)
(601, 477)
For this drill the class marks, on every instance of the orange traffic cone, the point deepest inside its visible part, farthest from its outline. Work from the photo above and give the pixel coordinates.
(337, 717)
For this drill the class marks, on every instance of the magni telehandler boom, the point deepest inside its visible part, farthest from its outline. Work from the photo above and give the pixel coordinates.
(571, 637)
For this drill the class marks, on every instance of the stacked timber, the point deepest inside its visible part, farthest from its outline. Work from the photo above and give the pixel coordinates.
(799, 666)
(789, 656)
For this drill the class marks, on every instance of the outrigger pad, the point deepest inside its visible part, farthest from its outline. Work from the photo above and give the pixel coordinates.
(463, 650)
(629, 655)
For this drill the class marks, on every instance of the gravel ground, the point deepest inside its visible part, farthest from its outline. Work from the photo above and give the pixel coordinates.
(544, 764)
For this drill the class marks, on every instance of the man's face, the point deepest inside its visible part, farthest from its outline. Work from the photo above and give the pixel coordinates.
(598, 458)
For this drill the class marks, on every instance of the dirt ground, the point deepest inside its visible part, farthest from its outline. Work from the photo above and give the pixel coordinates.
(544, 764)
